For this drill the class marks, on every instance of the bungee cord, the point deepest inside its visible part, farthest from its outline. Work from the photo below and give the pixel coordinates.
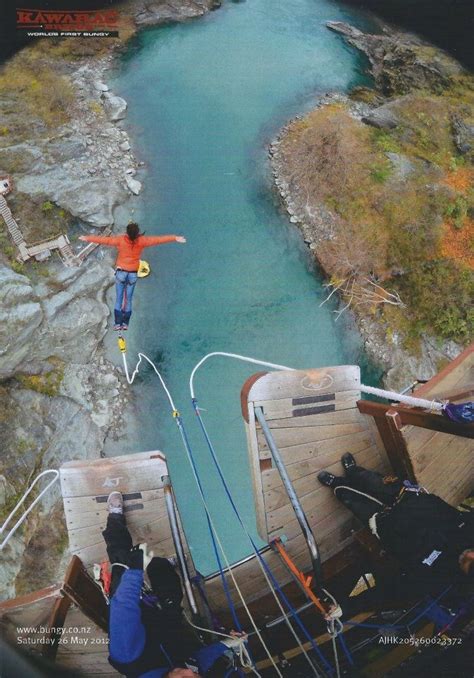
(244, 358)
(130, 380)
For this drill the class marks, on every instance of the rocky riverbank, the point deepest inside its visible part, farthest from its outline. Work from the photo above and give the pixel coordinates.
(379, 183)
(62, 141)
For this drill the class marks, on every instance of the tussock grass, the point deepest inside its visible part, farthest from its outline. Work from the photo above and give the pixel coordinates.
(44, 91)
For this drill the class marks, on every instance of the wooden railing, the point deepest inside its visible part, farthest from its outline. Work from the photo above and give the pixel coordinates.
(390, 419)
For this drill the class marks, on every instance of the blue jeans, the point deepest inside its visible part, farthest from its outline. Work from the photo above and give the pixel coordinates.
(124, 288)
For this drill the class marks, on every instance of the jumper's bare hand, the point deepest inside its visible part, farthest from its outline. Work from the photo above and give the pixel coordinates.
(180, 238)
(238, 634)
(83, 237)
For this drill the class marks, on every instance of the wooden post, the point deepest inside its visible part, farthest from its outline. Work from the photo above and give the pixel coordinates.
(55, 625)
(80, 589)
(391, 436)
(404, 466)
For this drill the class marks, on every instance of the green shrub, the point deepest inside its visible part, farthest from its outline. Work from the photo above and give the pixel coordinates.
(380, 173)
(457, 210)
(439, 294)
(47, 383)
(385, 141)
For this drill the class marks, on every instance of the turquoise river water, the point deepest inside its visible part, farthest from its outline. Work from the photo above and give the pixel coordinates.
(205, 99)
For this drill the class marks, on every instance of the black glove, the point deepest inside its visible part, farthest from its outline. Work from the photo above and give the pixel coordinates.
(135, 558)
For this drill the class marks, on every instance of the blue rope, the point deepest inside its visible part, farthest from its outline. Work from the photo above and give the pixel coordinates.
(400, 626)
(234, 669)
(197, 581)
(423, 612)
(294, 613)
(209, 524)
(346, 649)
(375, 626)
(214, 544)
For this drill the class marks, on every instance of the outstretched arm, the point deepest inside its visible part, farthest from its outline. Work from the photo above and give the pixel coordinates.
(109, 240)
(127, 633)
(149, 240)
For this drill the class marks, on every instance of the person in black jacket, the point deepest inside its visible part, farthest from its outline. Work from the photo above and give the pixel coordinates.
(433, 541)
(148, 634)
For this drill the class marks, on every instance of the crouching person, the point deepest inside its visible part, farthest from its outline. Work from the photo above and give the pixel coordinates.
(149, 637)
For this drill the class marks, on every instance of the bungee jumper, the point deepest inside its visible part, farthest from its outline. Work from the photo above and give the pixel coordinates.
(148, 635)
(432, 541)
(130, 245)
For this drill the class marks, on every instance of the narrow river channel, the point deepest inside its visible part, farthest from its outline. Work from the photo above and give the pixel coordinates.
(205, 99)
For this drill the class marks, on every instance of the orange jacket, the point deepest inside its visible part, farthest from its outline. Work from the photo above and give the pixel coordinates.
(129, 252)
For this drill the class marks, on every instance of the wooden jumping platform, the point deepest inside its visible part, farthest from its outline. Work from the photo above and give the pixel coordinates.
(314, 419)
(85, 486)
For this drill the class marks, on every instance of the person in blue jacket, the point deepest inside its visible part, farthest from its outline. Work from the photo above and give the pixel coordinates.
(148, 635)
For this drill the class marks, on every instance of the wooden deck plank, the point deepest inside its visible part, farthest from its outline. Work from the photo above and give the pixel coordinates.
(313, 440)
(353, 442)
(96, 553)
(271, 478)
(327, 521)
(85, 487)
(279, 410)
(441, 449)
(348, 416)
(142, 475)
(278, 496)
(93, 534)
(300, 383)
(134, 511)
(290, 436)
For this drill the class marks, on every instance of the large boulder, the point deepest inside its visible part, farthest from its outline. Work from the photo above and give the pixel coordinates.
(91, 200)
(114, 106)
(383, 117)
(463, 132)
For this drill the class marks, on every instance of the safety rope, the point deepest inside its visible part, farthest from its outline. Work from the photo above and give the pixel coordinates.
(364, 494)
(212, 528)
(405, 399)
(30, 508)
(238, 645)
(381, 393)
